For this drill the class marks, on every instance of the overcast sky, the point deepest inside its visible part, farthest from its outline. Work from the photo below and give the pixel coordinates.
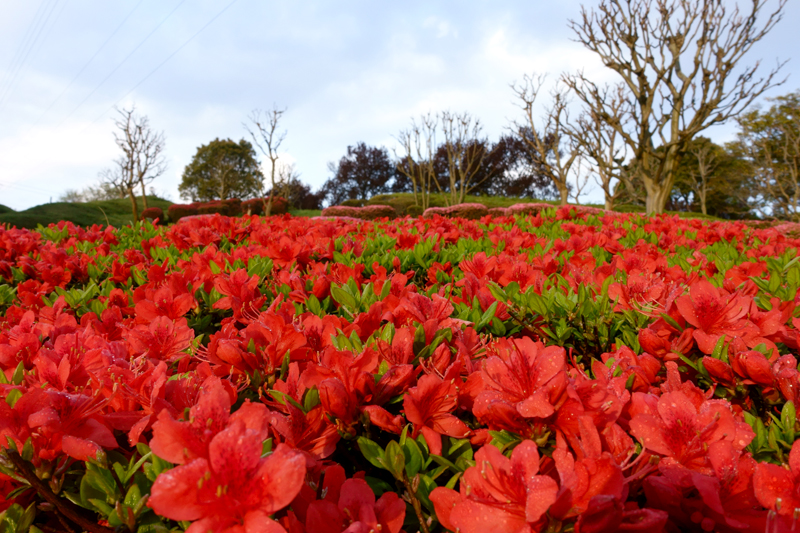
(346, 71)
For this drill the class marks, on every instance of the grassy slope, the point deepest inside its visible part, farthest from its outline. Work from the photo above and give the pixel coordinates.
(115, 212)
(5, 209)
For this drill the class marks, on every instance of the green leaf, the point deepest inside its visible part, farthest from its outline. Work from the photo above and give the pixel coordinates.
(719, 350)
(19, 374)
(788, 420)
(133, 496)
(283, 398)
(394, 459)
(413, 457)
(487, 317)
(372, 452)
(311, 399)
(102, 506)
(10, 518)
(27, 450)
(344, 299)
(439, 460)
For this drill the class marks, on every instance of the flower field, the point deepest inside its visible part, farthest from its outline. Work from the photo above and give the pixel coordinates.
(564, 371)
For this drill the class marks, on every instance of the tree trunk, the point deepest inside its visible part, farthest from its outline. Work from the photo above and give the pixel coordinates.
(144, 195)
(134, 207)
(609, 205)
(563, 192)
(703, 203)
(657, 196)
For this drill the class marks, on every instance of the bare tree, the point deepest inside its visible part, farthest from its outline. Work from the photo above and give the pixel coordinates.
(418, 145)
(263, 128)
(601, 145)
(465, 153)
(550, 147)
(675, 59)
(142, 159)
(581, 179)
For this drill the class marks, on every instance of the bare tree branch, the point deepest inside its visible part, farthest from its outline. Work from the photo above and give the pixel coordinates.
(549, 146)
(263, 128)
(677, 62)
(142, 159)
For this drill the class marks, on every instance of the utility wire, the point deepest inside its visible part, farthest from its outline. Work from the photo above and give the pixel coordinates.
(24, 188)
(215, 17)
(123, 61)
(24, 54)
(97, 52)
(21, 47)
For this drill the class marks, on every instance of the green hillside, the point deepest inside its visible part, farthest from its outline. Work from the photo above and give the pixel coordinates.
(5, 209)
(114, 212)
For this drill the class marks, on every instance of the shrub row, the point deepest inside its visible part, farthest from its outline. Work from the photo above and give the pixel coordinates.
(256, 206)
(368, 212)
(468, 211)
(231, 207)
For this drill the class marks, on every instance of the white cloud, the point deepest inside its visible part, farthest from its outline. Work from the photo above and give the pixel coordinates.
(442, 28)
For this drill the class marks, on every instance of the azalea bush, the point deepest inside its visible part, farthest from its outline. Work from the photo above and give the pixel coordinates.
(557, 371)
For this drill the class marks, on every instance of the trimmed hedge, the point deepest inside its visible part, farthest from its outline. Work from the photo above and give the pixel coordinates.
(210, 208)
(231, 207)
(468, 211)
(528, 209)
(175, 212)
(368, 212)
(255, 206)
(153, 213)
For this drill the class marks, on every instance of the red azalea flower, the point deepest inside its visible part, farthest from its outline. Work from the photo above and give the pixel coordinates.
(58, 423)
(162, 339)
(714, 313)
(356, 510)
(595, 474)
(778, 488)
(721, 502)
(310, 432)
(429, 407)
(233, 490)
(526, 375)
(682, 430)
(182, 441)
(240, 293)
(498, 494)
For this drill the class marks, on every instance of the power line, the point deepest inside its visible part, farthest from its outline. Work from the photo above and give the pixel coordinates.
(34, 47)
(97, 52)
(24, 188)
(29, 41)
(21, 47)
(123, 61)
(207, 24)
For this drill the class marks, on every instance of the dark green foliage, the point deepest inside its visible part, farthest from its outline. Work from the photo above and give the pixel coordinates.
(114, 212)
(220, 170)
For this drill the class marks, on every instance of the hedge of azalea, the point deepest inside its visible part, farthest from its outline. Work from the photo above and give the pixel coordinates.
(563, 371)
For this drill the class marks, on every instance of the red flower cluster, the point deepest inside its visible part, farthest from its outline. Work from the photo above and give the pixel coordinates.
(553, 370)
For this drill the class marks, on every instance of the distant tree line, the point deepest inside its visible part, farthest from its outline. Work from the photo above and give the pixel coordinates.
(679, 70)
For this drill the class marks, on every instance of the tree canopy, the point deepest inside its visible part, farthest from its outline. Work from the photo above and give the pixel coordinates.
(220, 170)
(360, 174)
